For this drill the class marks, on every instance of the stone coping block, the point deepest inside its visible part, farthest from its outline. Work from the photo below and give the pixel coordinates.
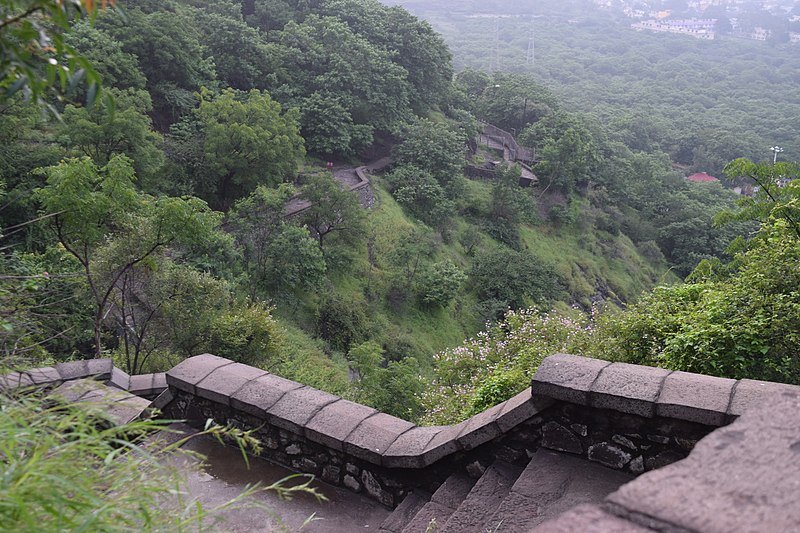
(188, 373)
(120, 379)
(331, 426)
(481, 428)
(406, 451)
(627, 388)
(73, 370)
(297, 407)
(260, 394)
(568, 378)
(370, 440)
(219, 386)
(751, 394)
(443, 443)
(521, 408)
(644, 391)
(696, 398)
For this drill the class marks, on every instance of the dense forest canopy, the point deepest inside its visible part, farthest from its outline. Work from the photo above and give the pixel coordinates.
(192, 208)
(703, 102)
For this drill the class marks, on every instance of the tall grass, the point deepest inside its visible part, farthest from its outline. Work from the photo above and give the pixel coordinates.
(64, 468)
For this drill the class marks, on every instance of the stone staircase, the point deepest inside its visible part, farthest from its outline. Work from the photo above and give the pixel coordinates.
(506, 498)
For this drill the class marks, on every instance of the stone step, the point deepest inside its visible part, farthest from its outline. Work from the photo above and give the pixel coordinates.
(404, 512)
(442, 504)
(551, 484)
(475, 512)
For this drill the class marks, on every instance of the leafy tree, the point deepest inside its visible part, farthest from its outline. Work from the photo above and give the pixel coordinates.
(34, 55)
(332, 209)
(256, 221)
(414, 44)
(170, 56)
(294, 262)
(240, 53)
(101, 131)
(435, 148)
(391, 387)
(507, 279)
(323, 55)
(421, 194)
(110, 228)
(441, 283)
(115, 67)
(247, 141)
(341, 321)
(329, 128)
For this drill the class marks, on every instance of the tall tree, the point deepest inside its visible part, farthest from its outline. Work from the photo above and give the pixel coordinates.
(247, 141)
(110, 228)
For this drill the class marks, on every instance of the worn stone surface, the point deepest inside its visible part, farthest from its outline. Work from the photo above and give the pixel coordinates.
(749, 394)
(588, 518)
(696, 398)
(406, 451)
(404, 512)
(374, 436)
(120, 379)
(744, 477)
(262, 393)
(99, 368)
(609, 455)
(189, 372)
(453, 491)
(221, 384)
(431, 517)
(557, 437)
(73, 370)
(443, 443)
(162, 400)
(474, 513)
(628, 388)
(567, 377)
(521, 408)
(141, 384)
(352, 483)
(73, 391)
(480, 428)
(297, 407)
(330, 473)
(335, 422)
(15, 380)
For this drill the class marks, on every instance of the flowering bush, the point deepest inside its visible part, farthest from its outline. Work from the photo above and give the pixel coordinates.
(500, 361)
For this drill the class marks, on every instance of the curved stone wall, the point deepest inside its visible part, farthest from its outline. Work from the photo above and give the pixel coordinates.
(627, 417)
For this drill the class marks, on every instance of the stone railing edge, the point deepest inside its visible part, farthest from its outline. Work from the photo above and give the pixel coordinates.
(650, 391)
(145, 385)
(340, 424)
(384, 440)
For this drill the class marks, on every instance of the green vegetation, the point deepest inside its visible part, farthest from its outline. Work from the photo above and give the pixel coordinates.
(66, 469)
(191, 213)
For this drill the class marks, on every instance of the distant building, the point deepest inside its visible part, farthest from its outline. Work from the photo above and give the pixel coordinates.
(702, 177)
(760, 34)
(697, 28)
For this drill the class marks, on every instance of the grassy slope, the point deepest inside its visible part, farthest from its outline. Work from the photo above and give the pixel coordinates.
(588, 260)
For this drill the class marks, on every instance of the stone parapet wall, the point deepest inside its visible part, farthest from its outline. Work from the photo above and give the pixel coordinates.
(144, 385)
(626, 417)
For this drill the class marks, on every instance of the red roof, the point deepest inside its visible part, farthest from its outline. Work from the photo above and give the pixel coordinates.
(701, 177)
